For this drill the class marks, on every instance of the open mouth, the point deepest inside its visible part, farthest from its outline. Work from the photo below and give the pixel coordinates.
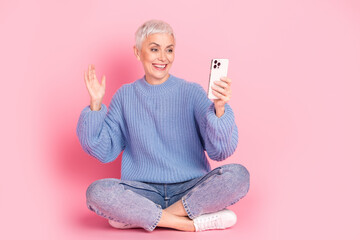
(160, 67)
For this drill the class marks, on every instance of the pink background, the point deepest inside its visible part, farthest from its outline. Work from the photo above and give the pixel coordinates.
(295, 70)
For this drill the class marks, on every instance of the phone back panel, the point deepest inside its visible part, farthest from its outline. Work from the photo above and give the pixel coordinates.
(218, 69)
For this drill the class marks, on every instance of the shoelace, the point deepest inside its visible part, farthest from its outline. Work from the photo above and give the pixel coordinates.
(212, 222)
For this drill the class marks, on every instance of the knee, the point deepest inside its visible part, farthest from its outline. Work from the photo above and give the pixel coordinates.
(238, 176)
(101, 189)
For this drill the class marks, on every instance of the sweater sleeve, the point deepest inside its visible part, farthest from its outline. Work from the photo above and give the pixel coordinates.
(219, 135)
(100, 133)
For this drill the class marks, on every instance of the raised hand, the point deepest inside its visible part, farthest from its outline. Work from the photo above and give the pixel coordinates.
(95, 89)
(222, 90)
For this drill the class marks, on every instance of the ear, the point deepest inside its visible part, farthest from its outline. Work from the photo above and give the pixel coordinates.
(137, 53)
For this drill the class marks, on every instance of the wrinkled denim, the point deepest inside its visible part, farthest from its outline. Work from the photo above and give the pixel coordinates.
(140, 203)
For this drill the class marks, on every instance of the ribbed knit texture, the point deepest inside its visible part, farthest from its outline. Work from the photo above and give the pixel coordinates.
(163, 130)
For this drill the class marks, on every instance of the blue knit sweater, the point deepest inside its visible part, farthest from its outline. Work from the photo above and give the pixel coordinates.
(163, 130)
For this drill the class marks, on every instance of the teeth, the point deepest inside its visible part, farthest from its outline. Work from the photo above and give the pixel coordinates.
(159, 66)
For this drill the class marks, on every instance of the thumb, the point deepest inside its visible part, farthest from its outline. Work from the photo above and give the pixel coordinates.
(103, 81)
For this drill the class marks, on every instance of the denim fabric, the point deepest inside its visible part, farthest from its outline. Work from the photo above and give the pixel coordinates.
(140, 203)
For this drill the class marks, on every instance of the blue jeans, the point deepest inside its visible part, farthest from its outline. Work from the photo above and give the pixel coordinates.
(141, 203)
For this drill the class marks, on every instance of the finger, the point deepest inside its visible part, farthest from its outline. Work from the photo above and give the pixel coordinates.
(222, 84)
(91, 71)
(220, 90)
(217, 92)
(223, 92)
(86, 78)
(87, 82)
(226, 79)
(220, 96)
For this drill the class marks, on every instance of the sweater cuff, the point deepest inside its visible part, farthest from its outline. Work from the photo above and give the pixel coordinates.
(220, 127)
(102, 110)
(91, 120)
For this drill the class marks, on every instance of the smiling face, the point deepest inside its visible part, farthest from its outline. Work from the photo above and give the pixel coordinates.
(157, 55)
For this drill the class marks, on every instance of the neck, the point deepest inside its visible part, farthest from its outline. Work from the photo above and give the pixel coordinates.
(155, 81)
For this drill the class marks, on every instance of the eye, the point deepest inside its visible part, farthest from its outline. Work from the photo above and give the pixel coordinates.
(170, 50)
(153, 49)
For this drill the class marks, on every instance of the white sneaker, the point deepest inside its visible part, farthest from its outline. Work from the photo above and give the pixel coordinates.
(120, 225)
(217, 220)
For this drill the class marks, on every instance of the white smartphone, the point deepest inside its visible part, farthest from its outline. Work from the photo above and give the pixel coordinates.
(218, 69)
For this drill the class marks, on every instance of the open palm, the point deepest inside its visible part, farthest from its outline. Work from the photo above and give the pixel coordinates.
(95, 89)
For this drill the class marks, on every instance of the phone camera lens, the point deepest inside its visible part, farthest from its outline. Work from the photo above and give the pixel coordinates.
(219, 64)
(215, 66)
(215, 61)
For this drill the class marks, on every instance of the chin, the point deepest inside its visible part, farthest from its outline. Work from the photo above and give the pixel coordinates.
(159, 76)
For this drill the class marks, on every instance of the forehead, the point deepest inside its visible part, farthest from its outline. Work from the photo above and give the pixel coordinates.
(163, 39)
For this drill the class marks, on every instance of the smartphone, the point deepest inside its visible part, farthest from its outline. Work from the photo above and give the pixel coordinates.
(218, 69)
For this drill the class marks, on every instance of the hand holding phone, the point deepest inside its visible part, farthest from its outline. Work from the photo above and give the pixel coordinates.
(218, 69)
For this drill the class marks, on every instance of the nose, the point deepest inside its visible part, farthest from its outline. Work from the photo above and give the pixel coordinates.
(162, 56)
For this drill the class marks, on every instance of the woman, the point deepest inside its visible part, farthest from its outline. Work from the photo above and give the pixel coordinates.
(163, 124)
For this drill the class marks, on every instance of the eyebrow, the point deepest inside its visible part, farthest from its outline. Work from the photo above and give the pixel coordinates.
(171, 45)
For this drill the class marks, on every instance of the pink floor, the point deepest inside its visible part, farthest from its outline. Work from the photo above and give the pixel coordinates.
(295, 70)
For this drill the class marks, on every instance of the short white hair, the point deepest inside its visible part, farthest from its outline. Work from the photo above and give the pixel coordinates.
(151, 27)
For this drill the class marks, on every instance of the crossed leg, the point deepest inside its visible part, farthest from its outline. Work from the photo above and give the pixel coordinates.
(235, 181)
(176, 217)
(231, 181)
